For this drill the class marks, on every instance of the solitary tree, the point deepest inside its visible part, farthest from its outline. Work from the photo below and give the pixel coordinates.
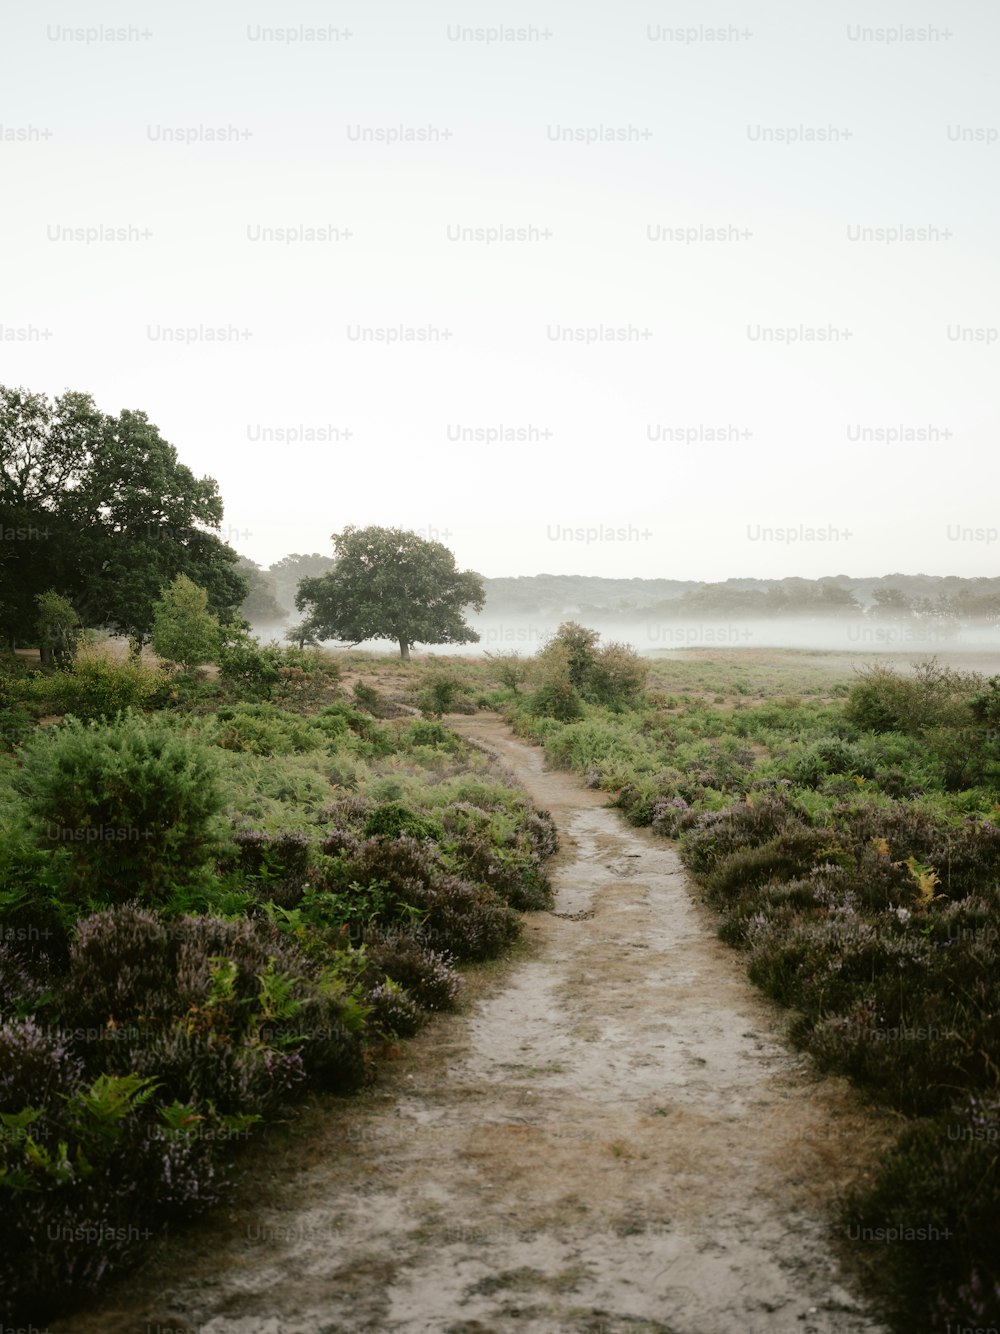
(391, 584)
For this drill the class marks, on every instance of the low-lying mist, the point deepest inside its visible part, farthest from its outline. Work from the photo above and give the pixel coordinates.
(650, 636)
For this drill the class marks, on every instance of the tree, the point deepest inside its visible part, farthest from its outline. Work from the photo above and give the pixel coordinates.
(260, 605)
(184, 630)
(58, 628)
(289, 572)
(391, 584)
(302, 635)
(890, 604)
(100, 508)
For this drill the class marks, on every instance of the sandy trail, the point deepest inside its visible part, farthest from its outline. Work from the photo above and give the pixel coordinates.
(614, 1140)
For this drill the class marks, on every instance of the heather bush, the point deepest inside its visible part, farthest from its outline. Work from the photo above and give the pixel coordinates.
(23, 982)
(89, 1176)
(964, 851)
(929, 1223)
(231, 1012)
(469, 921)
(512, 871)
(35, 1064)
(394, 1011)
(429, 976)
(715, 835)
(792, 852)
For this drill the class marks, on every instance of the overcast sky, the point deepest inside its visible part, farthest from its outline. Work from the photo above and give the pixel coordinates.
(615, 472)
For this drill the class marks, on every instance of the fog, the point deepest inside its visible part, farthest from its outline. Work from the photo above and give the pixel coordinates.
(653, 637)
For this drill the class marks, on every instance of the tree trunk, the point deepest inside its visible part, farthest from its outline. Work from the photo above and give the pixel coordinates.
(404, 650)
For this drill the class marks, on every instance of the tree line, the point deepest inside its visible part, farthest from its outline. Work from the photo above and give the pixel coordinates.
(102, 526)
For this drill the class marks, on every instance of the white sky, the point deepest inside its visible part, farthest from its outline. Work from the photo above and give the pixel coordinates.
(695, 509)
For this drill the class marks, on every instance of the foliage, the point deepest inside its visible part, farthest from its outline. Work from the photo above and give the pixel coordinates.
(160, 996)
(95, 686)
(260, 606)
(128, 806)
(108, 516)
(572, 666)
(184, 630)
(58, 628)
(391, 584)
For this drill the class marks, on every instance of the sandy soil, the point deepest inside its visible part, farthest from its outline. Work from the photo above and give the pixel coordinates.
(613, 1138)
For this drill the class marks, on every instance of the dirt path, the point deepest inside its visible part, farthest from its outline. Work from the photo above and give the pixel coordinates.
(614, 1141)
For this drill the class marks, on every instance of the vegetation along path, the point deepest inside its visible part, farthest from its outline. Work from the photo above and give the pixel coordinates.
(616, 1140)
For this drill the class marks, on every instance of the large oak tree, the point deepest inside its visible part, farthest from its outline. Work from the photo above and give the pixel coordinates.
(391, 584)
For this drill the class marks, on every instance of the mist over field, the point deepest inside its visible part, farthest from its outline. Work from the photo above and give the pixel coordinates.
(499, 634)
(919, 615)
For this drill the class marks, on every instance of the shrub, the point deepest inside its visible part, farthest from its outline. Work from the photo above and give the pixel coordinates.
(613, 675)
(931, 1216)
(130, 804)
(882, 700)
(366, 696)
(389, 819)
(394, 1012)
(422, 732)
(555, 699)
(428, 975)
(184, 630)
(59, 628)
(443, 694)
(247, 667)
(96, 687)
(510, 668)
(617, 677)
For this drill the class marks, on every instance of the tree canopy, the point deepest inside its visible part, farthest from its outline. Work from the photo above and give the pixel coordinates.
(98, 508)
(389, 583)
(261, 606)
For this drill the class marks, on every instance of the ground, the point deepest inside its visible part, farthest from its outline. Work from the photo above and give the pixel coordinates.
(612, 1137)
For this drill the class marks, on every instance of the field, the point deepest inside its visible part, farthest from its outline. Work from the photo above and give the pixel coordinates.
(342, 851)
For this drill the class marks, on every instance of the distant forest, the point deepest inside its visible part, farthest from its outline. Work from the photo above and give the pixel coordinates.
(940, 598)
